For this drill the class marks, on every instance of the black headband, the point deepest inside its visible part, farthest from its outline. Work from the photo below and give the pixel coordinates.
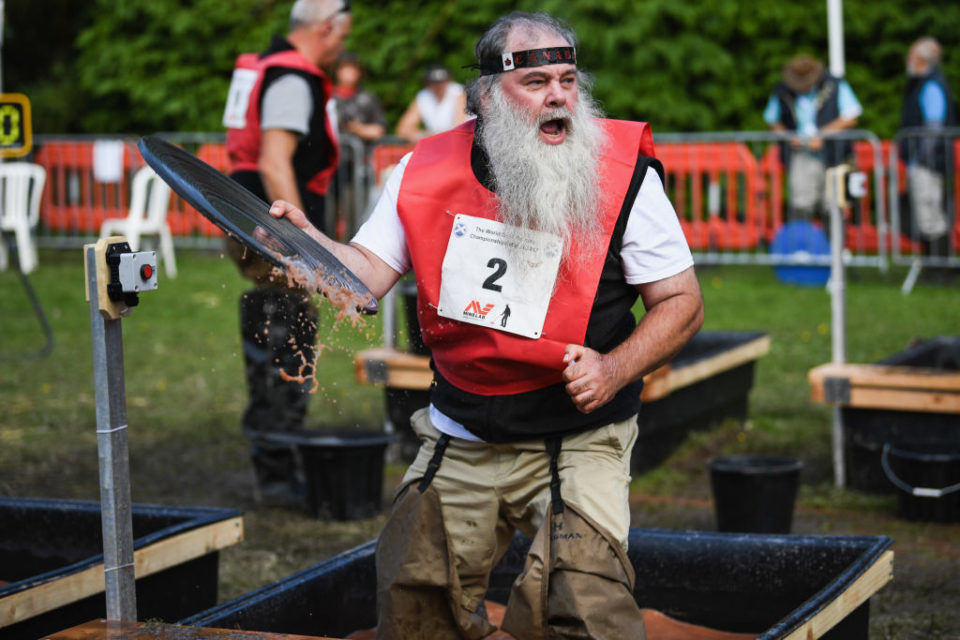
(520, 59)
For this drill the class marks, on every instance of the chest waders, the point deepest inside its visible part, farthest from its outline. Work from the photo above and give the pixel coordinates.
(577, 581)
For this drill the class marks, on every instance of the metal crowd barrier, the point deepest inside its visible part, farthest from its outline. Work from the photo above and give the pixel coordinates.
(731, 191)
(924, 189)
(349, 199)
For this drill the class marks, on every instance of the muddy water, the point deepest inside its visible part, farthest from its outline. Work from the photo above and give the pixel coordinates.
(348, 302)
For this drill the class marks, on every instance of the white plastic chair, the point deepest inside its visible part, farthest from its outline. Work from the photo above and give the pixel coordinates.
(149, 203)
(21, 184)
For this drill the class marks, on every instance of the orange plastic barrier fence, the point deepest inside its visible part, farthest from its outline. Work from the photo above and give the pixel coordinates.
(730, 216)
(77, 201)
(727, 198)
(385, 156)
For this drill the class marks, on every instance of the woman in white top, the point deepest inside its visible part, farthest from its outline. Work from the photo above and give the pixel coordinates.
(440, 106)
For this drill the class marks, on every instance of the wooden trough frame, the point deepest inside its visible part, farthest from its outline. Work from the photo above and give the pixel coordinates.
(798, 587)
(878, 386)
(391, 367)
(175, 555)
(911, 399)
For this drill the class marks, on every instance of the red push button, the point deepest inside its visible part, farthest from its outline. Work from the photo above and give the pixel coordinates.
(146, 271)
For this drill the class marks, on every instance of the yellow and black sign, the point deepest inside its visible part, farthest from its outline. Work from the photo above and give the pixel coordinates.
(16, 133)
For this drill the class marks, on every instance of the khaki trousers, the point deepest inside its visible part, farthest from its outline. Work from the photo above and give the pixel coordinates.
(486, 491)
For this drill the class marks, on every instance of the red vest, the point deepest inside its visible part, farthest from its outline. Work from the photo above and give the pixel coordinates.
(438, 182)
(243, 145)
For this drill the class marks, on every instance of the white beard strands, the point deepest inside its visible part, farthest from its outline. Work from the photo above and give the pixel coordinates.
(551, 188)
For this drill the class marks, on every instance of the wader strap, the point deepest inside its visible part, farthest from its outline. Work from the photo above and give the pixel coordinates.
(553, 448)
(434, 463)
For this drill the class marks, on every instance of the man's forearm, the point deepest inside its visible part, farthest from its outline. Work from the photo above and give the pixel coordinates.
(280, 183)
(674, 314)
(376, 274)
(277, 147)
(660, 334)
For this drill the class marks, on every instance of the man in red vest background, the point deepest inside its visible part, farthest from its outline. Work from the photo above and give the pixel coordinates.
(541, 206)
(282, 145)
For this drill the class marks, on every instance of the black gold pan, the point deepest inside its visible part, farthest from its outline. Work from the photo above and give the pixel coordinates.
(244, 216)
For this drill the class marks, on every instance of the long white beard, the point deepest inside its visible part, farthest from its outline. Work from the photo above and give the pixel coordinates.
(550, 188)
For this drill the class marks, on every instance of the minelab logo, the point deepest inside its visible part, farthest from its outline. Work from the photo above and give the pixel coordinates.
(474, 310)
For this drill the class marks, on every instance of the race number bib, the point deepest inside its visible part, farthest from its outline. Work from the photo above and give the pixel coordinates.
(238, 98)
(497, 276)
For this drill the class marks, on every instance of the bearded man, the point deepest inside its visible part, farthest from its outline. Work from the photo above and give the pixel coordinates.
(542, 208)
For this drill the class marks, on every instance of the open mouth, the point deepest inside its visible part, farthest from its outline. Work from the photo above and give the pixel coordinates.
(554, 128)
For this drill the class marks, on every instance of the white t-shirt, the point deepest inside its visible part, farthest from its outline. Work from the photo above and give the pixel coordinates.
(287, 104)
(439, 115)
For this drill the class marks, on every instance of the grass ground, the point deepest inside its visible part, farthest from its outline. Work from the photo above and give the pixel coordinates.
(185, 391)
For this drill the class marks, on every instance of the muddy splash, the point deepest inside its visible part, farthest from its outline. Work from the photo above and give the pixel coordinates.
(299, 275)
(349, 303)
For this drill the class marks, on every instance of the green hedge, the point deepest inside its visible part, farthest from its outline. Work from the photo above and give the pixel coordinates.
(147, 65)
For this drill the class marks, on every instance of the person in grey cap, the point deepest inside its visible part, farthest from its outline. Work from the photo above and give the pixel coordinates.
(438, 107)
(542, 207)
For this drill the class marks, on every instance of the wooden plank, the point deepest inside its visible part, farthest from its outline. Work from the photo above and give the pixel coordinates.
(116, 630)
(869, 582)
(892, 388)
(410, 379)
(148, 560)
(393, 368)
(656, 384)
(888, 377)
(51, 595)
(816, 387)
(905, 400)
(724, 361)
(187, 546)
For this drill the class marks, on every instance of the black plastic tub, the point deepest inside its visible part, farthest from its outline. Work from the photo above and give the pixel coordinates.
(708, 381)
(928, 479)
(774, 586)
(866, 430)
(343, 470)
(51, 562)
(754, 493)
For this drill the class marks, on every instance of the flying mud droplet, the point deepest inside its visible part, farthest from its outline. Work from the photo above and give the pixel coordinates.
(299, 276)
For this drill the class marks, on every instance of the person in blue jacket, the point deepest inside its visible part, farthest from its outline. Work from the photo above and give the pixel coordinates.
(811, 103)
(928, 108)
